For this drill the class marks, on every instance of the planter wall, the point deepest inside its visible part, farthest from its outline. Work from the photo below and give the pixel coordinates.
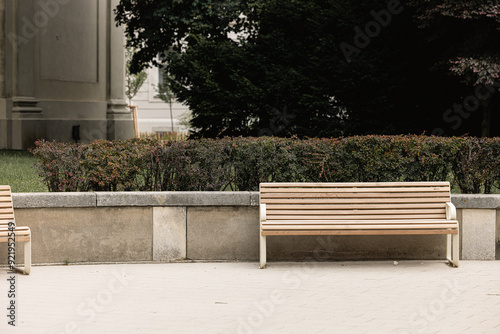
(212, 226)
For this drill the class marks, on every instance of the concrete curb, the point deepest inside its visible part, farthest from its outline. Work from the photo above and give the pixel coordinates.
(134, 199)
(476, 201)
(187, 198)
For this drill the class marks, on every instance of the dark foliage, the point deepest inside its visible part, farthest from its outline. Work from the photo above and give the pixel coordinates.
(242, 163)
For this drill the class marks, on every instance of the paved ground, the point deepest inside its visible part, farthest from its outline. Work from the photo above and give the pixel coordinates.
(341, 297)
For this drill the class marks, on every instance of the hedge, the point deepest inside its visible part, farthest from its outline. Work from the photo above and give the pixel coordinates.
(472, 164)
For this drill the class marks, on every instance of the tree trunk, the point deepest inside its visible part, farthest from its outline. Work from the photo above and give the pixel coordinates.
(486, 122)
(171, 118)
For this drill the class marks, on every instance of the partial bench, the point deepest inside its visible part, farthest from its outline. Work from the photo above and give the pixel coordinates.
(22, 234)
(386, 208)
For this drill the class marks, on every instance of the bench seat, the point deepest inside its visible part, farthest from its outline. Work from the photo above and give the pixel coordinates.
(384, 208)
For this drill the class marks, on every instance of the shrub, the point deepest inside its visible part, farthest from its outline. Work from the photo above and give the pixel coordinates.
(476, 164)
(264, 159)
(60, 166)
(472, 164)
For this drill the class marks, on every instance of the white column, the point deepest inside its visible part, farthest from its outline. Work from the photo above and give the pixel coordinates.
(25, 114)
(120, 125)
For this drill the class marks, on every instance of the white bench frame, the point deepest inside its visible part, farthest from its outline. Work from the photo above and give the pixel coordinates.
(443, 216)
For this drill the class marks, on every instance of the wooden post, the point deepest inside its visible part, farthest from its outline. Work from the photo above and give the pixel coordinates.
(136, 121)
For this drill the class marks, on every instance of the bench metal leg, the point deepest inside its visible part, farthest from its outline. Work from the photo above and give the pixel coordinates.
(456, 253)
(453, 249)
(262, 251)
(448, 247)
(27, 257)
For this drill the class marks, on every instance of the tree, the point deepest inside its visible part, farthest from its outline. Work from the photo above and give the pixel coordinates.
(166, 94)
(303, 67)
(133, 81)
(468, 32)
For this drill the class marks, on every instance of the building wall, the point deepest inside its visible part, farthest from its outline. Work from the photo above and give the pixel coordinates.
(62, 66)
(153, 113)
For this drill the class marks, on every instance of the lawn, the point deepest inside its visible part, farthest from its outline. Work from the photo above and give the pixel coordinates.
(16, 170)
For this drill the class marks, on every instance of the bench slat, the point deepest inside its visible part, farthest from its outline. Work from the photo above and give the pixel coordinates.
(367, 217)
(352, 200)
(353, 206)
(24, 238)
(355, 232)
(358, 227)
(17, 233)
(17, 229)
(356, 211)
(354, 190)
(353, 184)
(353, 195)
(354, 222)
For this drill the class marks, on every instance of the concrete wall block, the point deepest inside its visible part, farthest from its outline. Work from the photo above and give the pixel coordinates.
(232, 233)
(497, 239)
(174, 198)
(254, 198)
(347, 247)
(223, 233)
(169, 233)
(478, 234)
(53, 200)
(460, 229)
(475, 201)
(88, 235)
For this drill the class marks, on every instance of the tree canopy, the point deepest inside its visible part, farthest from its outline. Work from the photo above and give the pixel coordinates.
(468, 33)
(319, 68)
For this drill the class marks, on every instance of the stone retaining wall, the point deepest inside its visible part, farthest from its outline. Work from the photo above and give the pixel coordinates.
(173, 226)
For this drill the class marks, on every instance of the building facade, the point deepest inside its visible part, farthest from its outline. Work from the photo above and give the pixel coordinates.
(62, 72)
(154, 114)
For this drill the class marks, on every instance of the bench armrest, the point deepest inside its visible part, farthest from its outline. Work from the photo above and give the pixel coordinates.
(262, 212)
(451, 211)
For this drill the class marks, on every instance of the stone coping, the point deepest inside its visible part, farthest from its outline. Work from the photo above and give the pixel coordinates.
(187, 198)
(476, 201)
(135, 198)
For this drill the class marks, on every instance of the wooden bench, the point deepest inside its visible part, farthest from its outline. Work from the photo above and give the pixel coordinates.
(22, 234)
(386, 208)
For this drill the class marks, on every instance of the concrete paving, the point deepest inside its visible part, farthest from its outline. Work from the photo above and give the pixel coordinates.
(333, 297)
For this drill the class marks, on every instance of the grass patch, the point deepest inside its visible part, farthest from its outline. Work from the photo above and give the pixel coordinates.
(17, 171)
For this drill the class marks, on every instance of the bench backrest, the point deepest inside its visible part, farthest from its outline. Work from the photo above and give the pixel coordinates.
(360, 201)
(6, 207)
